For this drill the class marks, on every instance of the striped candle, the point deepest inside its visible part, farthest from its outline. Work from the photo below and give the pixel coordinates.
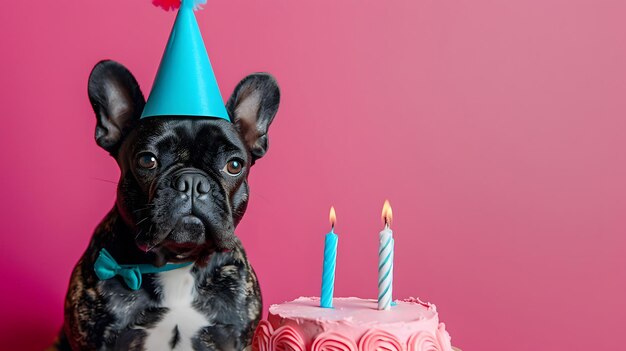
(330, 262)
(385, 261)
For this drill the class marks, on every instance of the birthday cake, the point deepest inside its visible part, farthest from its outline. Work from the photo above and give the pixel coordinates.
(352, 324)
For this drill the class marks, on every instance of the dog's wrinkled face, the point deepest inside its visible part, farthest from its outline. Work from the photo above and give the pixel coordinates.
(183, 184)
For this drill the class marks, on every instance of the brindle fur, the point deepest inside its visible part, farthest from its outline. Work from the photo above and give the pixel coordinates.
(106, 315)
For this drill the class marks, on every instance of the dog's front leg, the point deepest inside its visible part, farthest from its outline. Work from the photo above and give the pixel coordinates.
(218, 338)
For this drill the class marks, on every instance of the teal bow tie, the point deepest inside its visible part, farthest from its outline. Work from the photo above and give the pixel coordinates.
(106, 268)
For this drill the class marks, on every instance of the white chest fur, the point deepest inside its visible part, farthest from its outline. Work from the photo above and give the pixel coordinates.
(177, 294)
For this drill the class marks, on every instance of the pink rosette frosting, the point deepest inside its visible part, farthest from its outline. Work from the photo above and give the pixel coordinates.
(262, 335)
(286, 338)
(330, 341)
(423, 341)
(379, 340)
(445, 341)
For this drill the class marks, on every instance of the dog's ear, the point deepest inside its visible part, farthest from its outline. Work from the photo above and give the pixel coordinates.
(117, 101)
(252, 108)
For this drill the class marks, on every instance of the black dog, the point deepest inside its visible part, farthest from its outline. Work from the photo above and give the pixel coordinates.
(182, 191)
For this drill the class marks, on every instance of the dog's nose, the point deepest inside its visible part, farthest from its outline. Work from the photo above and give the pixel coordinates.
(193, 184)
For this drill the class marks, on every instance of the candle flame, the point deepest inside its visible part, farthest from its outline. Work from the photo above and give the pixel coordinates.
(387, 215)
(332, 217)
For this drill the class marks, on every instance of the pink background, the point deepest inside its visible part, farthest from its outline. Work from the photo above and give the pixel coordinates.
(496, 129)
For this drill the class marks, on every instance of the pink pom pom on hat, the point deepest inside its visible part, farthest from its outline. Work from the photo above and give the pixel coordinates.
(169, 5)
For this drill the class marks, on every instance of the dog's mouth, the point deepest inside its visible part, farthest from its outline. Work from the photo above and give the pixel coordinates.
(172, 252)
(175, 252)
(188, 240)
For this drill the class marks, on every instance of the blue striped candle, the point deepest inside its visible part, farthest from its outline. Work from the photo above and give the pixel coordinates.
(330, 262)
(385, 262)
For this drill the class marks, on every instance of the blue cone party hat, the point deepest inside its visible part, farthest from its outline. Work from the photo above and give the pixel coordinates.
(185, 84)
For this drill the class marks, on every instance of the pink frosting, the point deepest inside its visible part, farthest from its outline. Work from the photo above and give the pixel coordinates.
(417, 300)
(444, 338)
(331, 341)
(262, 335)
(286, 339)
(379, 340)
(426, 341)
(352, 324)
(423, 341)
(352, 317)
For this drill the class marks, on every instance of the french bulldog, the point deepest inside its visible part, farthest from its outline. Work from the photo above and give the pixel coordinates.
(182, 191)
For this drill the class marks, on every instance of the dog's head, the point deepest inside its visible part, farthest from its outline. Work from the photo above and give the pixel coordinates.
(183, 184)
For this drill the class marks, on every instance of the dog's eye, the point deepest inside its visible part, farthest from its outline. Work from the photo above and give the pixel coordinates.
(147, 160)
(233, 167)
